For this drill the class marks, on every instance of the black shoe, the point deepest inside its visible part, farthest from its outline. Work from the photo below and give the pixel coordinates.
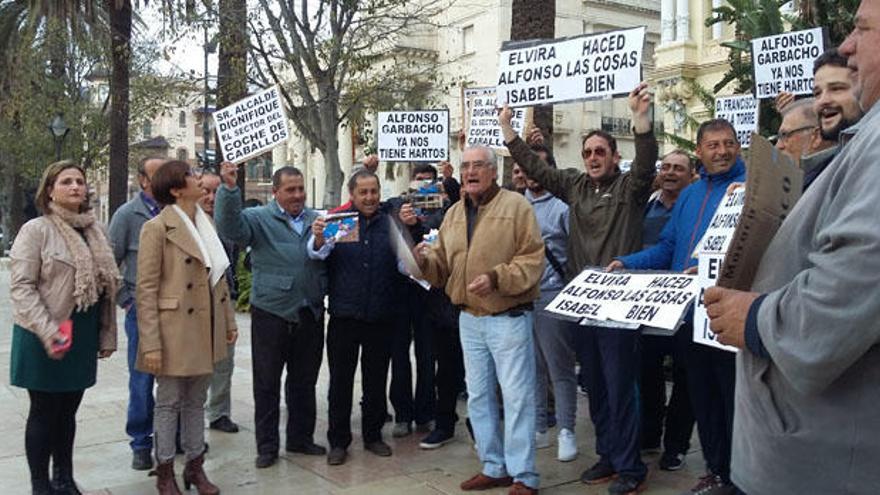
(599, 473)
(671, 462)
(64, 486)
(224, 424)
(436, 439)
(310, 448)
(141, 460)
(379, 448)
(624, 485)
(337, 456)
(266, 460)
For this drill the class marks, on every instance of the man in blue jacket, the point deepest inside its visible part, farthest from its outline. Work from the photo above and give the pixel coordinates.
(711, 372)
(287, 307)
(363, 279)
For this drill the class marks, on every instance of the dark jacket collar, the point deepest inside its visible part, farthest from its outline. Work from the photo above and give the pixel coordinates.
(488, 196)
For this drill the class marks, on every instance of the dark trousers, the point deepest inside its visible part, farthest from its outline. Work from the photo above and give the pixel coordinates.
(450, 367)
(346, 338)
(49, 433)
(276, 343)
(411, 326)
(676, 418)
(711, 375)
(610, 357)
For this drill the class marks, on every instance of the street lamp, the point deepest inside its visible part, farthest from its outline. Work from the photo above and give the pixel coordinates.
(59, 131)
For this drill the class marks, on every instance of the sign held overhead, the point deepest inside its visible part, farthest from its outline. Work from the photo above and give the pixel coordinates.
(414, 136)
(742, 112)
(579, 68)
(252, 126)
(482, 122)
(784, 62)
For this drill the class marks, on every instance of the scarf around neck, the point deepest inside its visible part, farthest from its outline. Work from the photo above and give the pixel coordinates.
(208, 242)
(96, 270)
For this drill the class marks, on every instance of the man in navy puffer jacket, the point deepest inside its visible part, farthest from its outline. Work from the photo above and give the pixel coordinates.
(711, 372)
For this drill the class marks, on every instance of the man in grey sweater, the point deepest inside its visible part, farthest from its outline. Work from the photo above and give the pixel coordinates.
(808, 375)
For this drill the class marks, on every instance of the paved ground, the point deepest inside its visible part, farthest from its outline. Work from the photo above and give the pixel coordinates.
(102, 457)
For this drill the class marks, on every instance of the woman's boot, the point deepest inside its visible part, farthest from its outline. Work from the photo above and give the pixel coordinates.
(193, 474)
(165, 482)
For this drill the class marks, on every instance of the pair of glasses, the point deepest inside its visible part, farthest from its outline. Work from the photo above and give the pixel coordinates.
(599, 152)
(475, 165)
(785, 135)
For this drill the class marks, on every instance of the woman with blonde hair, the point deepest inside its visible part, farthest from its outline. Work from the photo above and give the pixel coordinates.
(63, 289)
(185, 320)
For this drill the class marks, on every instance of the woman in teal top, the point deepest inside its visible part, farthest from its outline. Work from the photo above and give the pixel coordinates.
(63, 277)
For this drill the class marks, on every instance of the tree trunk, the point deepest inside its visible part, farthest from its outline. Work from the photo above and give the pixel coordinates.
(11, 202)
(232, 61)
(531, 19)
(333, 177)
(120, 44)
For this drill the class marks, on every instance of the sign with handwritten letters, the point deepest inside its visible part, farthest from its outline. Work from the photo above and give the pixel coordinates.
(784, 62)
(414, 136)
(742, 111)
(252, 126)
(707, 274)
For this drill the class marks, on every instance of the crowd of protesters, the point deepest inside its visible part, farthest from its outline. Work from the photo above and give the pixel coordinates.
(791, 412)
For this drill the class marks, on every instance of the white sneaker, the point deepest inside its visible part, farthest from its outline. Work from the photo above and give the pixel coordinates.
(542, 440)
(567, 446)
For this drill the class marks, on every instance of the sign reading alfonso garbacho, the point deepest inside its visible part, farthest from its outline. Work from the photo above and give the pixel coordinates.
(414, 136)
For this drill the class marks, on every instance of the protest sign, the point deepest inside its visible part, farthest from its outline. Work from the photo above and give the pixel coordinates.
(707, 273)
(482, 122)
(414, 136)
(569, 69)
(784, 62)
(773, 186)
(719, 233)
(742, 112)
(252, 126)
(342, 227)
(653, 299)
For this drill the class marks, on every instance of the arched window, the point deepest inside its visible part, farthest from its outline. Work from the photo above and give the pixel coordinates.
(181, 119)
(182, 154)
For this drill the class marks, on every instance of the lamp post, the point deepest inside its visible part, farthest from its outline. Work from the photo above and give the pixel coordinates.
(59, 131)
(210, 47)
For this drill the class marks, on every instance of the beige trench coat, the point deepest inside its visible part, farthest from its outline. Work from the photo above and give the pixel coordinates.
(174, 301)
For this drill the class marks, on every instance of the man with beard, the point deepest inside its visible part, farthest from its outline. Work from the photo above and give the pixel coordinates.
(808, 372)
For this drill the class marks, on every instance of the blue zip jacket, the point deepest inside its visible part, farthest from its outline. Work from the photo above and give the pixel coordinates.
(690, 217)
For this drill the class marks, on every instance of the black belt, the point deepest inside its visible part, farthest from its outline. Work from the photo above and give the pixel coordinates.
(516, 310)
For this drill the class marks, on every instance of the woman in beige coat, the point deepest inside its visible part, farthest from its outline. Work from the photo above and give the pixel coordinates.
(185, 320)
(62, 288)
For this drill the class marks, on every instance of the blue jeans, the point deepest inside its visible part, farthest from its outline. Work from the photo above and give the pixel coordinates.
(139, 423)
(500, 349)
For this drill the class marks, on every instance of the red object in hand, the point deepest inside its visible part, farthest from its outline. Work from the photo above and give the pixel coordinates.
(66, 329)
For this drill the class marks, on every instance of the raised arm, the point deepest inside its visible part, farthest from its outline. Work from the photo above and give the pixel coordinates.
(231, 224)
(644, 166)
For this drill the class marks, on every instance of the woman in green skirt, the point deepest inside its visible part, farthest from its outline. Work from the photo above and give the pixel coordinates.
(63, 289)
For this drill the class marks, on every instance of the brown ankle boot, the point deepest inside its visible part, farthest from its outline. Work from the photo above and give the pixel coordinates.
(193, 474)
(165, 482)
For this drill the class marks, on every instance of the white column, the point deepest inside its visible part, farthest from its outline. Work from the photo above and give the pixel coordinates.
(667, 21)
(718, 27)
(682, 21)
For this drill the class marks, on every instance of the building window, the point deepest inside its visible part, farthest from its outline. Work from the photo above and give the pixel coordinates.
(182, 154)
(148, 129)
(181, 120)
(467, 40)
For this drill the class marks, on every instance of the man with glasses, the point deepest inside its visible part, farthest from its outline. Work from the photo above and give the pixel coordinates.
(798, 133)
(489, 256)
(125, 233)
(606, 210)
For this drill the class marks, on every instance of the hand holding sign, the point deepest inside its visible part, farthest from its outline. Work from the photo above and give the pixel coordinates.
(728, 310)
(614, 266)
(318, 227)
(640, 100)
(229, 173)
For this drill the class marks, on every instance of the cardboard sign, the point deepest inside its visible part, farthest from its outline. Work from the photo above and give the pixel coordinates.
(482, 123)
(417, 136)
(342, 227)
(652, 299)
(707, 273)
(742, 112)
(578, 68)
(252, 126)
(784, 62)
(719, 233)
(773, 186)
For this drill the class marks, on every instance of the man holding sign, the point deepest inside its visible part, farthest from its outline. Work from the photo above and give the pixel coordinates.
(710, 371)
(606, 210)
(808, 375)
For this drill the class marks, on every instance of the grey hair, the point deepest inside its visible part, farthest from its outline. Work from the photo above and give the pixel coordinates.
(805, 107)
(488, 154)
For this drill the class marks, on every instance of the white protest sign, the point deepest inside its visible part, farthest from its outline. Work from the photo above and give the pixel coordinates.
(784, 62)
(482, 122)
(252, 126)
(655, 299)
(414, 136)
(719, 233)
(742, 112)
(579, 68)
(707, 273)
